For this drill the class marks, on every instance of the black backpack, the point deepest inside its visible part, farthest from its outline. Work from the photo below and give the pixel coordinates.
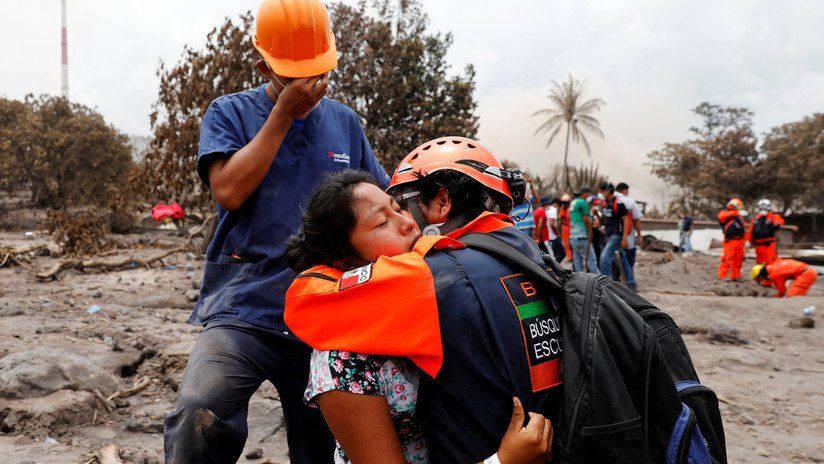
(630, 392)
(762, 228)
(734, 228)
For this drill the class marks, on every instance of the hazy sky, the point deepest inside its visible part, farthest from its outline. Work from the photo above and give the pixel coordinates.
(650, 60)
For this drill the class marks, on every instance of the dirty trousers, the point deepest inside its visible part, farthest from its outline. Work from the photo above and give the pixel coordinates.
(226, 367)
(731, 259)
(802, 283)
(765, 254)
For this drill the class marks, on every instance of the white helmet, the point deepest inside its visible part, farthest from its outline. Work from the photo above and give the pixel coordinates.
(765, 205)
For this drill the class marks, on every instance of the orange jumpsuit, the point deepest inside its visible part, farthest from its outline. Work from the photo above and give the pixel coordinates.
(765, 246)
(782, 270)
(563, 217)
(733, 255)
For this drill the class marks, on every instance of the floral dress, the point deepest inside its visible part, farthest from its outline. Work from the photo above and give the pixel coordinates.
(395, 378)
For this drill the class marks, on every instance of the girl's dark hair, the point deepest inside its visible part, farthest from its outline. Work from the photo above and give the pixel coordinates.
(468, 196)
(327, 222)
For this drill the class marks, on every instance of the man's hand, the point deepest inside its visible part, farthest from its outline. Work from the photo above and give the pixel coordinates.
(624, 243)
(530, 444)
(299, 96)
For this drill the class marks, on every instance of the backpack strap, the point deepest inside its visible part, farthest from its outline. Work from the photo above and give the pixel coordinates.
(731, 221)
(506, 251)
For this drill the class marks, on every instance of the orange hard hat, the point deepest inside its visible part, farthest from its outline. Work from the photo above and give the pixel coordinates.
(457, 154)
(735, 203)
(295, 38)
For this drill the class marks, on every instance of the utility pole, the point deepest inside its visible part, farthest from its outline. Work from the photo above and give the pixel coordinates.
(64, 56)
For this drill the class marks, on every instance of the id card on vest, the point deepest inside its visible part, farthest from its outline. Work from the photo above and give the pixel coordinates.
(541, 327)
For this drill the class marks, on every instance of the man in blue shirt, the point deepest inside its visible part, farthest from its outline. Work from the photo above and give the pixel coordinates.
(685, 230)
(262, 152)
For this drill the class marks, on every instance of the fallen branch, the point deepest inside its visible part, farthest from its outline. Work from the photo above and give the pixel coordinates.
(199, 229)
(106, 266)
(107, 403)
(139, 385)
(811, 416)
(673, 292)
(730, 402)
(9, 255)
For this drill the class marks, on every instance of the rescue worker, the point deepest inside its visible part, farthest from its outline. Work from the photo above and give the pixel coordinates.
(732, 224)
(479, 326)
(782, 270)
(563, 218)
(761, 233)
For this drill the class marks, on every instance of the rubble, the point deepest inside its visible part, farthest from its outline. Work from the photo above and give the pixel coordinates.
(144, 311)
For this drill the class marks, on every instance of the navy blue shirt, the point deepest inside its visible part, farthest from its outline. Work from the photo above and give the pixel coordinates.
(501, 338)
(246, 277)
(687, 224)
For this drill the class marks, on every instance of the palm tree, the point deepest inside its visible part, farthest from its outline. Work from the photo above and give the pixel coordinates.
(568, 107)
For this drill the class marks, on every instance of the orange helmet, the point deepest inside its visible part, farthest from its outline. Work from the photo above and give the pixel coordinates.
(295, 38)
(463, 155)
(735, 203)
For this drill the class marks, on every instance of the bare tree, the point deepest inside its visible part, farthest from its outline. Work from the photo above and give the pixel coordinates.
(721, 161)
(581, 176)
(571, 111)
(64, 152)
(393, 72)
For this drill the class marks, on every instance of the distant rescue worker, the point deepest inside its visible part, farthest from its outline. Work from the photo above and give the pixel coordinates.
(782, 270)
(563, 218)
(762, 232)
(733, 225)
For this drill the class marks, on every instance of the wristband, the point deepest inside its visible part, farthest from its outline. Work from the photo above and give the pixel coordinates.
(492, 459)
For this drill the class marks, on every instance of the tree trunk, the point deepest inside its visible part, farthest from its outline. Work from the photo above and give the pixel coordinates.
(567, 186)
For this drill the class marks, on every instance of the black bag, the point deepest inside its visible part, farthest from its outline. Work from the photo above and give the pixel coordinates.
(734, 228)
(762, 228)
(631, 393)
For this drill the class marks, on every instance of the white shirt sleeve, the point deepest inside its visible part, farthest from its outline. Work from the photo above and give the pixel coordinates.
(636, 211)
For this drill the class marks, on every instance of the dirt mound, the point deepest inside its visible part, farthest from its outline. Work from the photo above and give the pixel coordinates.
(42, 371)
(131, 325)
(54, 415)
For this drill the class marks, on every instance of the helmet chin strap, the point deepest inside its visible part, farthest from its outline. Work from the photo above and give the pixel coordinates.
(445, 227)
(490, 204)
(442, 228)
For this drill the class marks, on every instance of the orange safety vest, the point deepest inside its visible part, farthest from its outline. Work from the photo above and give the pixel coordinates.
(772, 222)
(402, 284)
